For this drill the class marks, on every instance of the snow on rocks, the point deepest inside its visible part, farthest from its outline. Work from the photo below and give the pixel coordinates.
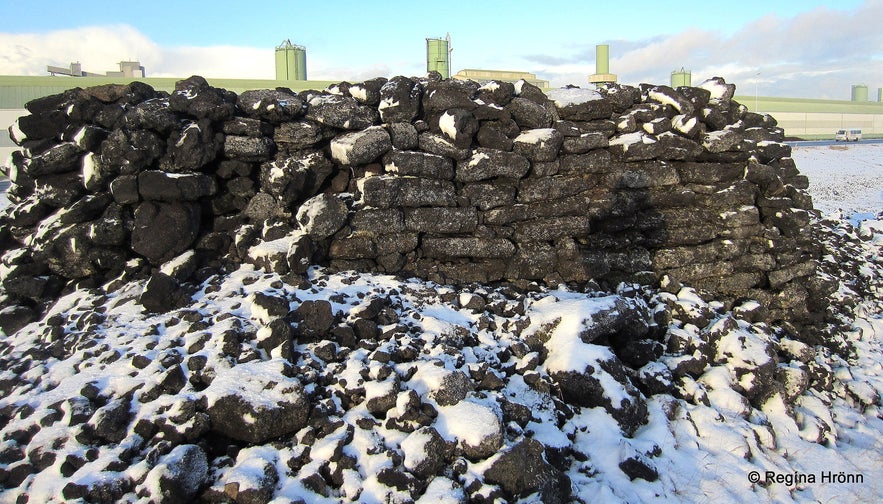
(462, 390)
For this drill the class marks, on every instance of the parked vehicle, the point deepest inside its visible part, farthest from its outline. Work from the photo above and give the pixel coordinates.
(848, 135)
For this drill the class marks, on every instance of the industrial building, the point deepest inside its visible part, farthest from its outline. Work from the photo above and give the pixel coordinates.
(800, 117)
(484, 76)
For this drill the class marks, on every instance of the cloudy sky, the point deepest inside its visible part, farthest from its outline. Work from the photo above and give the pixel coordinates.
(799, 48)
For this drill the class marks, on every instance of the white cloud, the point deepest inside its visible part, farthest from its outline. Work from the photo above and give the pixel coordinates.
(100, 48)
(97, 48)
(817, 54)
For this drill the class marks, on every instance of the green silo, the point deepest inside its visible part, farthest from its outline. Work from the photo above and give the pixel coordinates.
(438, 56)
(291, 61)
(681, 78)
(859, 93)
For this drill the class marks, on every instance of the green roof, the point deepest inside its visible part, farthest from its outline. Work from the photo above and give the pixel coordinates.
(778, 104)
(16, 90)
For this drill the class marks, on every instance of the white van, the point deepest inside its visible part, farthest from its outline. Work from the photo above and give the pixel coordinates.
(850, 135)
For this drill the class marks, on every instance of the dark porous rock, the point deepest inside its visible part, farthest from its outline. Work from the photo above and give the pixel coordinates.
(131, 151)
(124, 189)
(540, 144)
(529, 114)
(368, 92)
(449, 94)
(268, 307)
(110, 422)
(38, 125)
(441, 220)
(584, 143)
(59, 190)
(314, 318)
(61, 158)
(263, 206)
(468, 247)
(255, 483)
(273, 105)
(249, 149)
(292, 179)
(575, 104)
(668, 96)
(160, 293)
(110, 488)
(439, 144)
(300, 134)
(418, 164)
(342, 112)
(381, 397)
(321, 216)
(424, 451)
(489, 163)
(276, 334)
(489, 195)
(361, 147)
(523, 470)
(161, 186)
(14, 317)
(153, 114)
(587, 389)
(400, 100)
(493, 137)
(180, 474)
(387, 191)
(300, 254)
(164, 230)
(257, 402)
(453, 388)
(195, 97)
(457, 125)
(248, 127)
(399, 480)
(638, 466)
(403, 135)
(496, 93)
(195, 146)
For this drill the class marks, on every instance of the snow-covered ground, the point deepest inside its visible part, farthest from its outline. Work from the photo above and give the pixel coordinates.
(105, 401)
(846, 177)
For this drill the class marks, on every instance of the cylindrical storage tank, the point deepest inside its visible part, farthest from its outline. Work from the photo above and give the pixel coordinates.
(880, 95)
(300, 63)
(291, 62)
(602, 59)
(859, 92)
(437, 57)
(681, 78)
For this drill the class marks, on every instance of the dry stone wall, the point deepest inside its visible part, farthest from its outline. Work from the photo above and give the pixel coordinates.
(447, 180)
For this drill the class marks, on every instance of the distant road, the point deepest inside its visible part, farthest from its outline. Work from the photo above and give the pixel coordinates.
(811, 143)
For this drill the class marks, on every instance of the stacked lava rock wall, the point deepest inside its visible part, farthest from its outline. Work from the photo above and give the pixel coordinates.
(453, 181)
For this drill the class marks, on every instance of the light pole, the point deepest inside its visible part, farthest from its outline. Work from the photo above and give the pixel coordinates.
(755, 92)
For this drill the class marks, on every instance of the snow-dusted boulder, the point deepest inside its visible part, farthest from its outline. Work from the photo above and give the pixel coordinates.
(321, 216)
(424, 451)
(361, 147)
(400, 100)
(522, 470)
(272, 105)
(476, 428)
(490, 163)
(342, 112)
(541, 144)
(576, 104)
(256, 401)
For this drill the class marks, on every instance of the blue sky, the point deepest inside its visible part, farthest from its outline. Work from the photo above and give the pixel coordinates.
(809, 48)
